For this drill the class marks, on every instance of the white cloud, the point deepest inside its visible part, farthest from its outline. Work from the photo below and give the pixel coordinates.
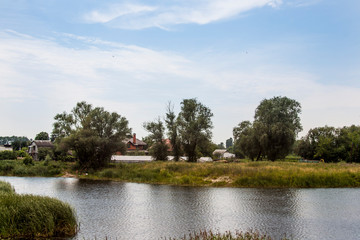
(175, 12)
(116, 11)
(42, 77)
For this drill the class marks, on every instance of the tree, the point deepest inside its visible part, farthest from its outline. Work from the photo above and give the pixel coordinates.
(274, 130)
(331, 144)
(246, 141)
(171, 124)
(194, 125)
(229, 143)
(93, 133)
(42, 136)
(220, 146)
(159, 149)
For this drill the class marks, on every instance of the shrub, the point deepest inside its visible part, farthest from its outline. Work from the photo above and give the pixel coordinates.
(28, 160)
(21, 153)
(7, 155)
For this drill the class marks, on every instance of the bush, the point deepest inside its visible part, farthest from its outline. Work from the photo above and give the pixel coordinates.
(21, 153)
(7, 155)
(28, 160)
(43, 152)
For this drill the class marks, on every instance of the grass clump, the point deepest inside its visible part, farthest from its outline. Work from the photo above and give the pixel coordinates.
(209, 235)
(6, 187)
(29, 216)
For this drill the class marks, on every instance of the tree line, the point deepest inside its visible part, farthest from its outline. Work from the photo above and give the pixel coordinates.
(330, 144)
(91, 134)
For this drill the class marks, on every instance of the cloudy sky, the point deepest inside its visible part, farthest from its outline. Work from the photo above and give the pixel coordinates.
(133, 57)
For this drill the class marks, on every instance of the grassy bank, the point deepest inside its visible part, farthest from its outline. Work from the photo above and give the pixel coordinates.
(263, 174)
(28, 216)
(245, 174)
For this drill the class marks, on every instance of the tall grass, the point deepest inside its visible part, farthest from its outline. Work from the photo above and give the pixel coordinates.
(29, 216)
(6, 187)
(209, 235)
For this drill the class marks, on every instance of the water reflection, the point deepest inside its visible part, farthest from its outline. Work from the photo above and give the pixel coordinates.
(142, 211)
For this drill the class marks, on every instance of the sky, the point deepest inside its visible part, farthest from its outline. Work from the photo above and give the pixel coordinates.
(134, 57)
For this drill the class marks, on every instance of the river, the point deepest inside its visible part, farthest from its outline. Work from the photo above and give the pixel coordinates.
(143, 211)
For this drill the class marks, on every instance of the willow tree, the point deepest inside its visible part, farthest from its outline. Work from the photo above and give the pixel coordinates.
(93, 133)
(274, 130)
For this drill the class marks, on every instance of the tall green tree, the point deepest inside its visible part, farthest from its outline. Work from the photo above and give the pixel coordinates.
(172, 127)
(42, 136)
(274, 130)
(246, 141)
(229, 143)
(194, 125)
(93, 133)
(158, 149)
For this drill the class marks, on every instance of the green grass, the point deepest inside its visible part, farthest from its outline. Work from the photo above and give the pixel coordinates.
(241, 173)
(263, 174)
(41, 169)
(29, 216)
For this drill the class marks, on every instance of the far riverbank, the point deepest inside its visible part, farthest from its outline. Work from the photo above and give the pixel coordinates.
(262, 174)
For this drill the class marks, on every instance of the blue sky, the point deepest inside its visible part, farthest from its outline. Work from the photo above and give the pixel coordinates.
(133, 57)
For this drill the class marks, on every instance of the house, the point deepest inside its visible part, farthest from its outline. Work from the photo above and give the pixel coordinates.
(36, 145)
(223, 154)
(134, 144)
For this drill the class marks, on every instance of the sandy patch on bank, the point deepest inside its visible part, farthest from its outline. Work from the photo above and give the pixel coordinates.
(226, 179)
(68, 175)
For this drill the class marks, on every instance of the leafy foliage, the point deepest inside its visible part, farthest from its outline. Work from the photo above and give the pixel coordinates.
(194, 126)
(158, 148)
(273, 132)
(93, 133)
(331, 144)
(7, 155)
(171, 124)
(42, 136)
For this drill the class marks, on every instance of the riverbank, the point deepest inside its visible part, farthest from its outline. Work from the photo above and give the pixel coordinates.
(262, 174)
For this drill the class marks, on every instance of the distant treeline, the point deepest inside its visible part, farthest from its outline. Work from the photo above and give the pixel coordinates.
(5, 140)
(16, 142)
(331, 144)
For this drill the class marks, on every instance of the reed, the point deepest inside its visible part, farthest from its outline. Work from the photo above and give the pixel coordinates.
(238, 235)
(29, 216)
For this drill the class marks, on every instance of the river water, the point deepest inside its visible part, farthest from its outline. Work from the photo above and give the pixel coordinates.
(143, 211)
